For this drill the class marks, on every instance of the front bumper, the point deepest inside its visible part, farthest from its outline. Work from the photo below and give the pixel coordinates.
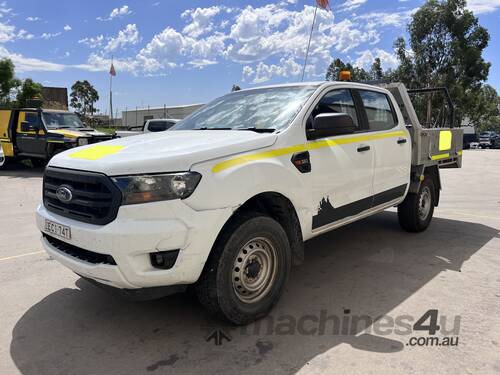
(138, 231)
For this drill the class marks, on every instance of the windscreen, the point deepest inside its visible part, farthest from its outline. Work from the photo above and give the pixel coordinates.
(59, 120)
(264, 109)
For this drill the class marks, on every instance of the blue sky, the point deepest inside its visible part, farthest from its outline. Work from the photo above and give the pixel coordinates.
(175, 52)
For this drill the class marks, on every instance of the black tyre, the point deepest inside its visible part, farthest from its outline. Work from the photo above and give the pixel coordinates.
(38, 163)
(245, 274)
(415, 213)
(3, 160)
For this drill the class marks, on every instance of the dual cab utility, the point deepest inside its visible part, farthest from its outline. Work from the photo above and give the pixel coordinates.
(226, 198)
(39, 134)
(150, 126)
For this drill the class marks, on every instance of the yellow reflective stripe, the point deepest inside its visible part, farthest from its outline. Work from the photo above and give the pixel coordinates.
(445, 137)
(301, 148)
(55, 142)
(440, 156)
(96, 152)
(459, 153)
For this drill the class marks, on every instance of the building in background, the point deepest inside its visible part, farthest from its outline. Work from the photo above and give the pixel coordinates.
(55, 98)
(137, 117)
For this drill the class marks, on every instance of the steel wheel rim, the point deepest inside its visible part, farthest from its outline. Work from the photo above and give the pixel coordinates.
(424, 203)
(254, 270)
(2, 157)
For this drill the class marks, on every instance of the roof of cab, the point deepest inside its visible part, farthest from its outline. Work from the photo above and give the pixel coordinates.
(316, 84)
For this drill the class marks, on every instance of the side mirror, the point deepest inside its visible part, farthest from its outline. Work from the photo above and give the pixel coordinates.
(29, 127)
(331, 124)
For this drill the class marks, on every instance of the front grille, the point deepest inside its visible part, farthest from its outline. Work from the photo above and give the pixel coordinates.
(79, 253)
(95, 198)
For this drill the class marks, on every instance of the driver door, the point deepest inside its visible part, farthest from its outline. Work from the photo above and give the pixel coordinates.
(342, 166)
(31, 142)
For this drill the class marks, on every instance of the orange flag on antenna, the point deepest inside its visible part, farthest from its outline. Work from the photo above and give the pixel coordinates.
(323, 4)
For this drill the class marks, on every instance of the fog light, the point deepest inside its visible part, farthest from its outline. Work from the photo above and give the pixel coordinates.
(164, 259)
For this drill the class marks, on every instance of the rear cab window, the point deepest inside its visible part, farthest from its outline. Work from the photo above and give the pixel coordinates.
(379, 112)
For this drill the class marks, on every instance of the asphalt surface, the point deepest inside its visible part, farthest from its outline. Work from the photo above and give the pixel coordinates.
(52, 322)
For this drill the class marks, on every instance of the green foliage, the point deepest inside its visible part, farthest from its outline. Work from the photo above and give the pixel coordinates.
(28, 90)
(8, 82)
(447, 45)
(83, 96)
(358, 74)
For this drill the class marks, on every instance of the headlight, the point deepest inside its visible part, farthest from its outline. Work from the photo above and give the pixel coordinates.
(153, 188)
(83, 141)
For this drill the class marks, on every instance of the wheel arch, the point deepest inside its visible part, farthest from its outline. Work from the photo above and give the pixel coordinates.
(280, 208)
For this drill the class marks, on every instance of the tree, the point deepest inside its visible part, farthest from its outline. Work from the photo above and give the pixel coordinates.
(8, 82)
(83, 96)
(28, 90)
(376, 71)
(337, 65)
(447, 45)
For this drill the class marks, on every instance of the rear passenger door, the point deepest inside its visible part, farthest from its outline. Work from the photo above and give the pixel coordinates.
(392, 147)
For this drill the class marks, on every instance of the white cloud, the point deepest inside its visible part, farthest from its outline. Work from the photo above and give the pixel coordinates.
(202, 63)
(127, 36)
(67, 28)
(93, 42)
(483, 6)
(7, 33)
(201, 20)
(4, 9)
(351, 5)
(26, 64)
(48, 36)
(366, 58)
(384, 19)
(23, 34)
(263, 73)
(33, 19)
(117, 12)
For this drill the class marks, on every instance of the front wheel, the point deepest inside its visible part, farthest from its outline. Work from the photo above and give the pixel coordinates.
(415, 213)
(247, 269)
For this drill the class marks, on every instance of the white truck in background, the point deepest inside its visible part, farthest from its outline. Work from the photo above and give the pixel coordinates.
(226, 198)
(150, 126)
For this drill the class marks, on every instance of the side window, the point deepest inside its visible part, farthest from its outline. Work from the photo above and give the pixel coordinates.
(337, 101)
(31, 117)
(378, 110)
(159, 126)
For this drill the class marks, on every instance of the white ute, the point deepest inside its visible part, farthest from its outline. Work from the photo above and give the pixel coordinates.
(226, 198)
(150, 126)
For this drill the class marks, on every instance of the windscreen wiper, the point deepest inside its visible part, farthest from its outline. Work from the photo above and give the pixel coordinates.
(214, 128)
(259, 130)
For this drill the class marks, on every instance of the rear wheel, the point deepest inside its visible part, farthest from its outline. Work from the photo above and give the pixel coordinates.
(415, 213)
(247, 269)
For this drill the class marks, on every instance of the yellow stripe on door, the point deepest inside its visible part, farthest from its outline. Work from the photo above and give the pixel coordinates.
(301, 148)
(96, 152)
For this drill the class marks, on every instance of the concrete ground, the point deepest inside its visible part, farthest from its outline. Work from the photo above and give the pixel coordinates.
(52, 322)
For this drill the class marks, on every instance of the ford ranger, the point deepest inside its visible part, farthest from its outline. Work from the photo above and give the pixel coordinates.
(225, 200)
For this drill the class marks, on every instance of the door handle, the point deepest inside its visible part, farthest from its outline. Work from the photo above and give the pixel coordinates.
(363, 148)
(401, 141)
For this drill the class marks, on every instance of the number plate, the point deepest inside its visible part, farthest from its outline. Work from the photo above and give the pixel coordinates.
(58, 230)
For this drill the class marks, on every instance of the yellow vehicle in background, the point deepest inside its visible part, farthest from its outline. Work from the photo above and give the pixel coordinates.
(38, 134)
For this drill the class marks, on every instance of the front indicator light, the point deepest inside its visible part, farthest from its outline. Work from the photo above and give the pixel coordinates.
(153, 188)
